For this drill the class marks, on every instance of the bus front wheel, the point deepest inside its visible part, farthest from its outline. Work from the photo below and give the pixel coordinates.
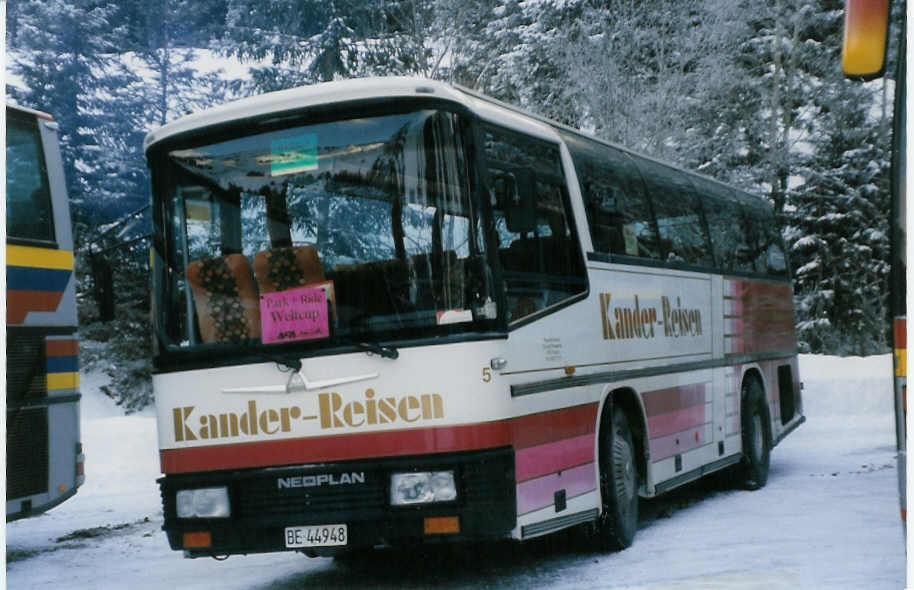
(618, 522)
(753, 470)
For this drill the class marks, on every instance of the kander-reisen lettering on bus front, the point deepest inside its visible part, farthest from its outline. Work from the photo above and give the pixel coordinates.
(333, 413)
(394, 311)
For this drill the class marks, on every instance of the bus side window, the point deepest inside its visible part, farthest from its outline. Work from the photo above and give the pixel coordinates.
(729, 231)
(680, 218)
(538, 250)
(618, 212)
(765, 243)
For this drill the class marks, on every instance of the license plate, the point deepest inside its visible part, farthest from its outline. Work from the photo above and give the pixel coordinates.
(323, 535)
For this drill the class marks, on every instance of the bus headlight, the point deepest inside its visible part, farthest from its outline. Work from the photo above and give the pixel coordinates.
(422, 487)
(203, 503)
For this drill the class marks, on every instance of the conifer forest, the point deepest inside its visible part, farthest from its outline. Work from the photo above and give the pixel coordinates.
(749, 92)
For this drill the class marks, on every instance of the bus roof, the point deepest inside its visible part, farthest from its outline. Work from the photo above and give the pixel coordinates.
(392, 87)
(39, 114)
(304, 97)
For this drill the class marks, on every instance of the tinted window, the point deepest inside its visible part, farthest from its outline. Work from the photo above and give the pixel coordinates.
(680, 219)
(765, 242)
(744, 234)
(729, 228)
(618, 212)
(28, 196)
(538, 250)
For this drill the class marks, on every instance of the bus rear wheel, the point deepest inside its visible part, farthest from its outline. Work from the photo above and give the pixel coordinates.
(753, 470)
(618, 523)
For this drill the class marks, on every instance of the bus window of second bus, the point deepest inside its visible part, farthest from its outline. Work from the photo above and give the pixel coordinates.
(28, 196)
(540, 257)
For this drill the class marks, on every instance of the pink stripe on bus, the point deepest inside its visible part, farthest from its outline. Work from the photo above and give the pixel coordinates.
(674, 444)
(539, 493)
(673, 422)
(538, 461)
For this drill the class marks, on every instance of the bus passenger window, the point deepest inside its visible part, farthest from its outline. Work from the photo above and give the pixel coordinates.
(680, 219)
(539, 252)
(618, 212)
(729, 235)
(765, 241)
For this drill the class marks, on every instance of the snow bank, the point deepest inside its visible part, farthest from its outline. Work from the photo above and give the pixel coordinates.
(847, 386)
(828, 518)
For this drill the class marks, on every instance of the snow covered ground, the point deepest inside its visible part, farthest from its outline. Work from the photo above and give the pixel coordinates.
(828, 518)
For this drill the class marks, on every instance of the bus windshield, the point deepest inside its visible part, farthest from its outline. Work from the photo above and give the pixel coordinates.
(28, 194)
(317, 235)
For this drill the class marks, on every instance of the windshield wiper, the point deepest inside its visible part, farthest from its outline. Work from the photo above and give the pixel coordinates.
(292, 363)
(388, 352)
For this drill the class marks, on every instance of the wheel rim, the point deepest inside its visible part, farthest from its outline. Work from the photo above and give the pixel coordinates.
(758, 442)
(624, 469)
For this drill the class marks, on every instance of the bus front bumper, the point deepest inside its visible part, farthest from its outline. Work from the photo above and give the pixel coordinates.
(267, 502)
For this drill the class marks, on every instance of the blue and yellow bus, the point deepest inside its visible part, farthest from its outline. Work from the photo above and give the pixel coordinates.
(44, 459)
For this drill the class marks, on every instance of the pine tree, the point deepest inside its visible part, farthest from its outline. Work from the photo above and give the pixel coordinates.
(69, 65)
(838, 230)
(305, 41)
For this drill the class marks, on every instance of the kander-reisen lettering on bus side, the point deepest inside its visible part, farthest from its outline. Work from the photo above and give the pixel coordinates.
(636, 321)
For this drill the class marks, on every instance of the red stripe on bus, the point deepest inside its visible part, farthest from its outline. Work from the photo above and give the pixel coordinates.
(899, 331)
(19, 303)
(663, 401)
(760, 317)
(539, 493)
(62, 347)
(551, 457)
(522, 432)
(674, 422)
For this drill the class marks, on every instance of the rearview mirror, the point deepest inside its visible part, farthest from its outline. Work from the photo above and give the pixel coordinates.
(866, 24)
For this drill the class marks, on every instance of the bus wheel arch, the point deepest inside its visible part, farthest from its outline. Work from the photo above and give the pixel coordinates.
(621, 463)
(628, 401)
(755, 426)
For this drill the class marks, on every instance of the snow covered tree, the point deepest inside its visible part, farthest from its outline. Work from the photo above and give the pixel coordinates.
(305, 41)
(68, 63)
(838, 230)
(836, 215)
(176, 86)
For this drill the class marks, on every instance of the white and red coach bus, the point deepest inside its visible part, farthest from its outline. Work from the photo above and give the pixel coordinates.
(393, 311)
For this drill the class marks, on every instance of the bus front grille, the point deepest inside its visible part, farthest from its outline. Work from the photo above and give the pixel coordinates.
(260, 500)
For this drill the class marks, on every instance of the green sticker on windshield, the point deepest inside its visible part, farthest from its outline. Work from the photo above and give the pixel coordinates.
(291, 155)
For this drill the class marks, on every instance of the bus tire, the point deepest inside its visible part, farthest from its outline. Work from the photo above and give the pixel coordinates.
(753, 469)
(618, 522)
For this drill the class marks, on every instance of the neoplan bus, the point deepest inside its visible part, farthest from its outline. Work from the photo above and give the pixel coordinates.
(44, 460)
(392, 311)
